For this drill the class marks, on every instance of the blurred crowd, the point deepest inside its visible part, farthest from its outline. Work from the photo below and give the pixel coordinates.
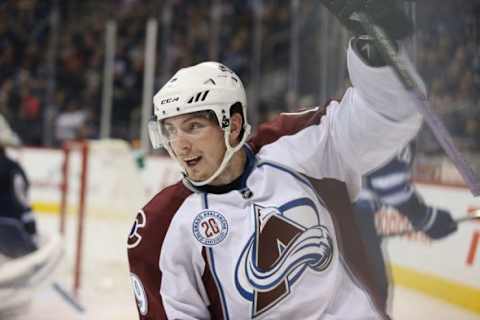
(51, 77)
(448, 57)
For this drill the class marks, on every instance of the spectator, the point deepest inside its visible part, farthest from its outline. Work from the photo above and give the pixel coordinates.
(70, 124)
(446, 53)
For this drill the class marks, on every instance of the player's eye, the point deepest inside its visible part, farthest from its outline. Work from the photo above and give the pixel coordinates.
(194, 126)
(168, 131)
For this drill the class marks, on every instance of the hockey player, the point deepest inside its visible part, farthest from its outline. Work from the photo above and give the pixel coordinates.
(391, 186)
(17, 223)
(264, 229)
(26, 259)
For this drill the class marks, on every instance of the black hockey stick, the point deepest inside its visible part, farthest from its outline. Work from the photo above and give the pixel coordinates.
(386, 47)
(468, 218)
(68, 297)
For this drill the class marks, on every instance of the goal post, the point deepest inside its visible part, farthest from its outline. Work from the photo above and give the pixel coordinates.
(101, 185)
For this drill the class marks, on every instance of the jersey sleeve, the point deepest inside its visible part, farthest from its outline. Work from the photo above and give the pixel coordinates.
(20, 192)
(145, 275)
(20, 189)
(144, 245)
(375, 118)
(391, 183)
(378, 115)
(14, 195)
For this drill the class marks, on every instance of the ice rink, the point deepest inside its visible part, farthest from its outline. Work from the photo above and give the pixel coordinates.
(80, 80)
(106, 293)
(408, 304)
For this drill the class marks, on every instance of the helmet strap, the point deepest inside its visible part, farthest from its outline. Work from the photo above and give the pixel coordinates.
(229, 152)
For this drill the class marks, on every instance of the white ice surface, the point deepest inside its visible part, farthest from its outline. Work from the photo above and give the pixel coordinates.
(106, 292)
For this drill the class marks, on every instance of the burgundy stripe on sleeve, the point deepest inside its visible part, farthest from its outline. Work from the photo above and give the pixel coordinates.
(285, 124)
(144, 256)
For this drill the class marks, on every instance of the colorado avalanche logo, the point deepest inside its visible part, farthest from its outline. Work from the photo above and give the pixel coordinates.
(134, 236)
(280, 251)
(210, 228)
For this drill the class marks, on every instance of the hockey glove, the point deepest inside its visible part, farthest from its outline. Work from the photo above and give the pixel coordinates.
(439, 224)
(387, 14)
(436, 223)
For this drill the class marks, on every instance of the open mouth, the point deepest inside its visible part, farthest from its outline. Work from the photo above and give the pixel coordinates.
(191, 162)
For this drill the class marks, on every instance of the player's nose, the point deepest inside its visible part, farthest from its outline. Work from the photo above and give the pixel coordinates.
(182, 144)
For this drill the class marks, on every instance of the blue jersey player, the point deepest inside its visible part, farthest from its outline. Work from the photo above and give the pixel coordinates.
(17, 222)
(27, 257)
(391, 186)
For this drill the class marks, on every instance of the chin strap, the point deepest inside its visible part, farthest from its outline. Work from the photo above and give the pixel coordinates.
(226, 157)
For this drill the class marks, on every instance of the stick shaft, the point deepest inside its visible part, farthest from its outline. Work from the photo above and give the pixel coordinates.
(68, 297)
(388, 51)
(467, 218)
(411, 231)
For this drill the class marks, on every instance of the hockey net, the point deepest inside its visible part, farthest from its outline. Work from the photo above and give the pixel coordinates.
(101, 192)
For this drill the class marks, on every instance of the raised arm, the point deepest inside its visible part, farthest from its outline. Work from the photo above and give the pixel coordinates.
(376, 117)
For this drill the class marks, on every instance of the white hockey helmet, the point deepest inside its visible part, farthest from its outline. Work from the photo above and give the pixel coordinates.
(208, 86)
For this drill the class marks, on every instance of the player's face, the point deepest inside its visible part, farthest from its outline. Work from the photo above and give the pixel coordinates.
(197, 142)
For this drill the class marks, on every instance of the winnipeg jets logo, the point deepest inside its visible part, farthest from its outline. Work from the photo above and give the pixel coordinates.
(134, 236)
(279, 252)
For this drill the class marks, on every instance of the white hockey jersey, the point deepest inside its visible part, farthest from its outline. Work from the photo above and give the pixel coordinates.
(282, 244)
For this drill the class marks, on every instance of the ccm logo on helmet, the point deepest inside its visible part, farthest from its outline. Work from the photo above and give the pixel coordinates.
(170, 100)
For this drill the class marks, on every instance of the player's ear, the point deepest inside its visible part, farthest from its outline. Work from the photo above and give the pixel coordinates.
(236, 124)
